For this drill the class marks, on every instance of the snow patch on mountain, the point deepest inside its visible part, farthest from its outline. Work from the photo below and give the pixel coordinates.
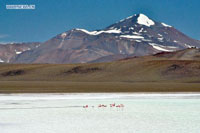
(138, 41)
(131, 28)
(189, 46)
(144, 20)
(141, 30)
(63, 35)
(160, 47)
(166, 25)
(1, 61)
(37, 46)
(116, 31)
(136, 33)
(146, 40)
(127, 18)
(160, 39)
(18, 52)
(132, 36)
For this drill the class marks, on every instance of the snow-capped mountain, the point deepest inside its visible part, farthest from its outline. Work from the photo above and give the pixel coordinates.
(9, 51)
(136, 35)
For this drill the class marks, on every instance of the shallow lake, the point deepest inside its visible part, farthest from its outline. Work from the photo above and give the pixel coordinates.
(64, 113)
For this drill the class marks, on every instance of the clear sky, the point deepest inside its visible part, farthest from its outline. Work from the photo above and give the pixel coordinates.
(52, 17)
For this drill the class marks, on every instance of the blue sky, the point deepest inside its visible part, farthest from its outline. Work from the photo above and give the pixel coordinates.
(52, 17)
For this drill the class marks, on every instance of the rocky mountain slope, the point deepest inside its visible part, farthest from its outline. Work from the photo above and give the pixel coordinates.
(8, 52)
(136, 35)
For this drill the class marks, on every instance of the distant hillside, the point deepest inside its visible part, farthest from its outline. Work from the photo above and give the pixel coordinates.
(188, 54)
(183, 66)
(8, 52)
(163, 72)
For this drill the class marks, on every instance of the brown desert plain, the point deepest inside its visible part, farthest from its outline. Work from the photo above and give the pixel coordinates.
(164, 72)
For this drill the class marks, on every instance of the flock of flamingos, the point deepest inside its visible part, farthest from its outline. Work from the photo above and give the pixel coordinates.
(104, 106)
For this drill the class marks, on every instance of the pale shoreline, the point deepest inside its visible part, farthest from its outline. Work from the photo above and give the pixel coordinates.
(96, 96)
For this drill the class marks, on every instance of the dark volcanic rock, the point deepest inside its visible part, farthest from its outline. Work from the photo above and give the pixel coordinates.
(13, 73)
(81, 70)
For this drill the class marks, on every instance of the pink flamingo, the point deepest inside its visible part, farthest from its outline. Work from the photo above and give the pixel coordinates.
(86, 106)
(120, 106)
(102, 105)
(112, 105)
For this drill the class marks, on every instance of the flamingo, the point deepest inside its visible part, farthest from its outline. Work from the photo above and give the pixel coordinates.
(86, 106)
(120, 105)
(102, 105)
(112, 105)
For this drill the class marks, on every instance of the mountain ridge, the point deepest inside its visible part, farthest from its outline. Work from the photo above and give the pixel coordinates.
(137, 35)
